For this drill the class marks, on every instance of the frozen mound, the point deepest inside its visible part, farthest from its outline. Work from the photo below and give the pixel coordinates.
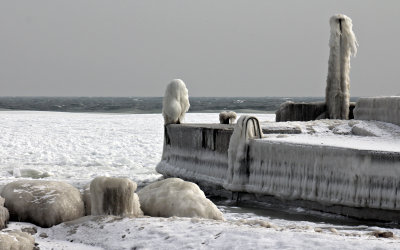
(114, 196)
(16, 240)
(4, 215)
(44, 203)
(175, 197)
(385, 109)
(175, 102)
(28, 173)
(227, 117)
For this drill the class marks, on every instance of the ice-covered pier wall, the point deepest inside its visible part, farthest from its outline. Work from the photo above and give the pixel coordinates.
(386, 109)
(196, 152)
(325, 174)
(359, 183)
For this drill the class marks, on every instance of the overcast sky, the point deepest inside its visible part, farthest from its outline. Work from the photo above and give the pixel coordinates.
(218, 47)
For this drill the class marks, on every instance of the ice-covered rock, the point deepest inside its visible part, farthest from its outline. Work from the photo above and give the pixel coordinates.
(227, 117)
(385, 109)
(343, 44)
(114, 196)
(175, 102)
(44, 203)
(4, 215)
(28, 173)
(16, 240)
(175, 197)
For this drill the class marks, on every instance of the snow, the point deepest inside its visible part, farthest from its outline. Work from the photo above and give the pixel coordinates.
(77, 147)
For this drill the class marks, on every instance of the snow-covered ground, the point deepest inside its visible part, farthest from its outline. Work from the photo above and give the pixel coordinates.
(76, 147)
(365, 135)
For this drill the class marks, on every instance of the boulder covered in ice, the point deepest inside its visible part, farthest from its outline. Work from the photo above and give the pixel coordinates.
(227, 117)
(44, 203)
(175, 102)
(28, 173)
(14, 240)
(4, 215)
(175, 197)
(114, 196)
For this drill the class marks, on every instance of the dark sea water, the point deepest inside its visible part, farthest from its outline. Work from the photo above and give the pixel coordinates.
(147, 104)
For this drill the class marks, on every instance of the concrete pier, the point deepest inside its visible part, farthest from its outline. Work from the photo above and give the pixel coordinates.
(363, 184)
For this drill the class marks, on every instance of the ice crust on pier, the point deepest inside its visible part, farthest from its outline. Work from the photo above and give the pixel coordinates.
(348, 163)
(330, 175)
(386, 109)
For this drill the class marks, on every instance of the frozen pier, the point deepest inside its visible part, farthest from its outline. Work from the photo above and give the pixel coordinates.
(340, 174)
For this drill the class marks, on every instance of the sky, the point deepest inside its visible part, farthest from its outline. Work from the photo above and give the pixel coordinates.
(218, 48)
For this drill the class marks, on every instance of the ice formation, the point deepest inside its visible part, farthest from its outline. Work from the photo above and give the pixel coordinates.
(386, 109)
(343, 44)
(28, 173)
(114, 196)
(175, 197)
(14, 240)
(44, 203)
(4, 215)
(175, 102)
(324, 164)
(196, 152)
(86, 199)
(227, 117)
(246, 128)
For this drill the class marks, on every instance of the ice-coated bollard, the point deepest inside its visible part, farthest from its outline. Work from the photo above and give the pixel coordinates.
(227, 117)
(175, 102)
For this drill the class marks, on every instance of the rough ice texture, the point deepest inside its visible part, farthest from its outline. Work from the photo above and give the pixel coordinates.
(291, 111)
(227, 117)
(246, 128)
(175, 102)
(343, 44)
(175, 197)
(16, 240)
(44, 203)
(4, 215)
(386, 109)
(329, 175)
(196, 152)
(114, 196)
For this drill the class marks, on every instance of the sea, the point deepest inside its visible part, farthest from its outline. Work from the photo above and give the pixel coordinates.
(148, 105)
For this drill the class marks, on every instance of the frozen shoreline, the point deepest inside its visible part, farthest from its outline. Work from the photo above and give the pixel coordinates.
(76, 147)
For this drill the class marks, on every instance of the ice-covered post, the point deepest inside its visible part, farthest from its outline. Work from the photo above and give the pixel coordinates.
(175, 102)
(343, 44)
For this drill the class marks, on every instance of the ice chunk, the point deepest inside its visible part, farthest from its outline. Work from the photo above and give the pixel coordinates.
(114, 196)
(44, 203)
(175, 197)
(16, 240)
